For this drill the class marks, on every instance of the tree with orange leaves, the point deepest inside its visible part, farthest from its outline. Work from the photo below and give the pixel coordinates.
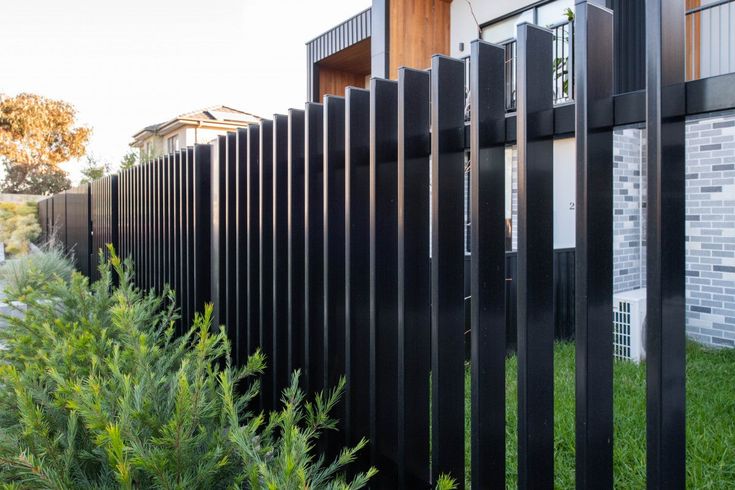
(36, 135)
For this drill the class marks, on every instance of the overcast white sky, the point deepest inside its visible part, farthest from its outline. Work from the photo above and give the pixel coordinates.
(125, 64)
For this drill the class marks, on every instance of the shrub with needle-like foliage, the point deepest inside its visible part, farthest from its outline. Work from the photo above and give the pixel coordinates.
(96, 391)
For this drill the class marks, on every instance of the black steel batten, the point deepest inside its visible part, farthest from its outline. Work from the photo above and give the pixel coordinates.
(201, 225)
(219, 230)
(230, 245)
(313, 247)
(268, 395)
(357, 268)
(175, 234)
(665, 255)
(447, 267)
(188, 188)
(253, 238)
(241, 248)
(334, 245)
(594, 253)
(414, 278)
(535, 260)
(295, 239)
(279, 357)
(488, 274)
(383, 292)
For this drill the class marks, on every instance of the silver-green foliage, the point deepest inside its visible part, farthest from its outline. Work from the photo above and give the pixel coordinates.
(98, 392)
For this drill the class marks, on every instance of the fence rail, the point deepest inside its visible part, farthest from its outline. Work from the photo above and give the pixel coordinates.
(318, 240)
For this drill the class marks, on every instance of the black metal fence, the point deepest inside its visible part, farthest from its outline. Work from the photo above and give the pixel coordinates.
(317, 239)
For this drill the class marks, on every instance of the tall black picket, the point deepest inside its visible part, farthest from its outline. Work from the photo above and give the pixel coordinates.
(665, 251)
(383, 278)
(334, 240)
(447, 266)
(268, 396)
(535, 279)
(253, 236)
(279, 357)
(487, 211)
(313, 247)
(230, 298)
(414, 278)
(295, 196)
(357, 266)
(594, 254)
(242, 197)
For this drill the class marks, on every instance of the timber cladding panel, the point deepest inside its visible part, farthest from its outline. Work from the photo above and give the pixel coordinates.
(418, 30)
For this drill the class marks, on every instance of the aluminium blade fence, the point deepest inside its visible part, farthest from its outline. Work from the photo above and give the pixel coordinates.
(332, 238)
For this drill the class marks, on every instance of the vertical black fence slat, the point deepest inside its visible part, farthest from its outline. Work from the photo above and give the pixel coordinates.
(594, 254)
(535, 279)
(488, 311)
(230, 246)
(219, 230)
(164, 209)
(159, 225)
(279, 358)
(188, 188)
(414, 277)
(241, 249)
(253, 237)
(268, 396)
(295, 211)
(383, 278)
(447, 267)
(334, 242)
(134, 221)
(665, 254)
(357, 268)
(313, 247)
(201, 225)
(176, 238)
(185, 238)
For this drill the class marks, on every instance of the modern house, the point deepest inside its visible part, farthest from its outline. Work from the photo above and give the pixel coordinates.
(188, 129)
(395, 33)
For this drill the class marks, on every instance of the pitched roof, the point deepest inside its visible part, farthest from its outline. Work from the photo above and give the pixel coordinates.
(221, 114)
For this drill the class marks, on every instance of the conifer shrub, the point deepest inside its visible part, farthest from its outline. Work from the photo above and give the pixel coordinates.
(96, 391)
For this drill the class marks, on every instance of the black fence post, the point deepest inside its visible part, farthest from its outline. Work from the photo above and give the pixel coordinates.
(487, 211)
(201, 207)
(295, 211)
(594, 255)
(313, 248)
(240, 342)
(383, 278)
(230, 246)
(535, 259)
(188, 219)
(447, 267)
(414, 277)
(665, 254)
(266, 259)
(357, 268)
(279, 358)
(334, 242)
(219, 231)
(253, 238)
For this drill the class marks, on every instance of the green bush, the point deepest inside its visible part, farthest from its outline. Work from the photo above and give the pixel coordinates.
(18, 226)
(97, 392)
(29, 272)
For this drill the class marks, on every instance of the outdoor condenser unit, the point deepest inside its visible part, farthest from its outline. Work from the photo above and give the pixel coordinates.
(629, 325)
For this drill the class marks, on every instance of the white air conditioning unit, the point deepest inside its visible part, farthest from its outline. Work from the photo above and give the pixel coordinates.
(629, 325)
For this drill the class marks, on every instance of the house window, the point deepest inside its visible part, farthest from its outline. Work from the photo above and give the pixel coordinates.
(172, 144)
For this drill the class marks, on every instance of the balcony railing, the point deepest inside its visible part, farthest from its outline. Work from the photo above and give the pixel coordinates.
(562, 66)
(710, 39)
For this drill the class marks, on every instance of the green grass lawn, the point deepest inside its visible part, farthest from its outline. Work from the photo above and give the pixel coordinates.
(710, 419)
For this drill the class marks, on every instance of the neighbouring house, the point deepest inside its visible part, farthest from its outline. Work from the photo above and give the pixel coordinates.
(396, 33)
(200, 126)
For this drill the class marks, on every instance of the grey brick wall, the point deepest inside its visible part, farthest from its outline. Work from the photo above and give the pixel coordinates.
(629, 197)
(710, 227)
(710, 209)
